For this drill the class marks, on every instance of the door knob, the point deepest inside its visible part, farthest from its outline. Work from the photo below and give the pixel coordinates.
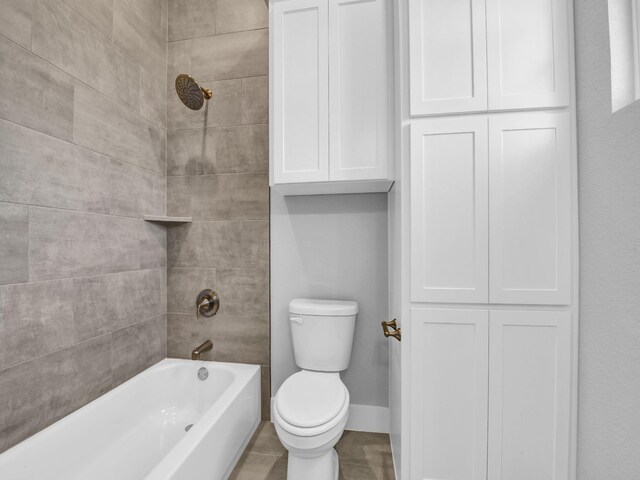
(395, 333)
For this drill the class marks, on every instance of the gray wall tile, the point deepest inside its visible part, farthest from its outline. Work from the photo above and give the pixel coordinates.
(255, 100)
(242, 196)
(15, 21)
(98, 13)
(233, 55)
(35, 315)
(137, 347)
(153, 103)
(108, 128)
(14, 242)
(106, 303)
(225, 108)
(178, 60)
(153, 245)
(139, 39)
(37, 393)
(179, 335)
(65, 39)
(265, 381)
(66, 244)
(38, 169)
(219, 244)
(243, 291)
(191, 18)
(48, 105)
(235, 339)
(189, 150)
(243, 148)
(151, 11)
(237, 15)
(184, 284)
(136, 192)
(97, 270)
(179, 196)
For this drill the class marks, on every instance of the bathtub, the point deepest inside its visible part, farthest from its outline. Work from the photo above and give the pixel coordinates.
(140, 430)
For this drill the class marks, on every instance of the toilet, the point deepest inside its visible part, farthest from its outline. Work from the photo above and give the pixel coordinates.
(311, 407)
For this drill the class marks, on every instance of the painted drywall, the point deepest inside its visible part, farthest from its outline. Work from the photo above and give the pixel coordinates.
(609, 182)
(334, 247)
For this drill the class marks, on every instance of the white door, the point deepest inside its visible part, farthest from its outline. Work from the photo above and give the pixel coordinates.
(527, 53)
(529, 395)
(448, 56)
(449, 211)
(530, 208)
(358, 90)
(449, 376)
(300, 79)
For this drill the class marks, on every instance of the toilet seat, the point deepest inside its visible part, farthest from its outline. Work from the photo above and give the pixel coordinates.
(311, 403)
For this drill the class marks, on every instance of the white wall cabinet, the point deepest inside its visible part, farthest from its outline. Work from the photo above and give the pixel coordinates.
(491, 187)
(300, 63)
(529, 395)
(449, 210)
(450, 400)
(330, 99)
(448, 56)
(530, 208)
(479, 55)
(528, 54)
(524, 358)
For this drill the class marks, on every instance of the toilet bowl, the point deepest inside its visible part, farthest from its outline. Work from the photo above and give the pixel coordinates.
(311, 407)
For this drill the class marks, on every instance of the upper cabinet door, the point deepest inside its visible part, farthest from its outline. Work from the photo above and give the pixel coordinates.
(300, 85)
(449, 211)
(530, 395)
(528, 53)
(359, 101)
(530, 208)
(447, 56)
(449, 377)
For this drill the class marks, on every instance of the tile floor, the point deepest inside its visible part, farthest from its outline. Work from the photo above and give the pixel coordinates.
(363, 456)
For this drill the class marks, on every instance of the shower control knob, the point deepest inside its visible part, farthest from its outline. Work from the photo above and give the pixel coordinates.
(207, 303)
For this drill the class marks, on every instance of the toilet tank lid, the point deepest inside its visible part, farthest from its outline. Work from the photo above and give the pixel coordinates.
(329, 308)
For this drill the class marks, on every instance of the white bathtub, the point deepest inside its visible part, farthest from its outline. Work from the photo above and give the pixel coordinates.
(137, 431)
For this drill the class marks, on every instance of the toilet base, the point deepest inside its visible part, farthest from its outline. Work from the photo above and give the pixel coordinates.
(324, 467)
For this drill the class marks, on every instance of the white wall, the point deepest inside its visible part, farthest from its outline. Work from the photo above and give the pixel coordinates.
(335, 247)
(609, 177)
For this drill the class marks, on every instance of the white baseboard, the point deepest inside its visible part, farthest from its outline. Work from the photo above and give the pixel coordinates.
(365, 418)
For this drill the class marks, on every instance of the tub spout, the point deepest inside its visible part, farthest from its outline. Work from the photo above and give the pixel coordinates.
(205, 347)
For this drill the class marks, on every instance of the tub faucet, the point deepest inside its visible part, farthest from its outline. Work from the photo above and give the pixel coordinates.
(205, 347)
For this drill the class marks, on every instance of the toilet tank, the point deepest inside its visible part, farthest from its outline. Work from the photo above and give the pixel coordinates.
(322, 333)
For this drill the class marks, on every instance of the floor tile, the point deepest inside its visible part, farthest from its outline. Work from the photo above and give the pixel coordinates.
(363, 456)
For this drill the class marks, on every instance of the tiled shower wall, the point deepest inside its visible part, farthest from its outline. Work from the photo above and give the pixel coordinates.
(217, 167)
(82, 158)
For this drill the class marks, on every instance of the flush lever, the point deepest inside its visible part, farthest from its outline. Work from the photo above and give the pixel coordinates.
(395, 333)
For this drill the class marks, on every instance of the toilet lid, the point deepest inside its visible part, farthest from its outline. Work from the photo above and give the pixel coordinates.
(309, 399)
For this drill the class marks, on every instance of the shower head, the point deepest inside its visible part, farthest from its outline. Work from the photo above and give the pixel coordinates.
(190, 93)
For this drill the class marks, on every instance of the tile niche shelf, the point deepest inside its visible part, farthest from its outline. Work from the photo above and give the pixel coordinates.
(167, 220)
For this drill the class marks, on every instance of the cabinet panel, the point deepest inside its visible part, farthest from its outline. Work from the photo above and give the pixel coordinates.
(447, 56)
(301, 91)
(449, 376)
(530, 208)
(449, 211)
(527, 53)
(358, 102)
(529, 392)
